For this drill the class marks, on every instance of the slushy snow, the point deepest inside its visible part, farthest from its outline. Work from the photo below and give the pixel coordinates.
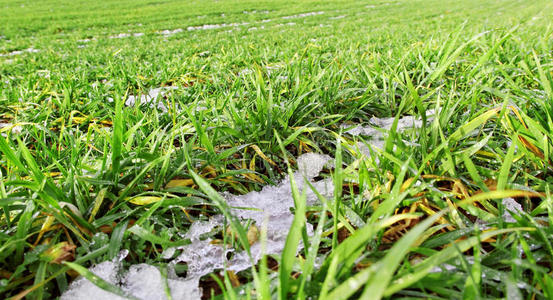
(141, 281)
(269, 208)
(379, 128)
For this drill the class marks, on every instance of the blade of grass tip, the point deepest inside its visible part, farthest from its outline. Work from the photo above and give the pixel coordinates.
(116, 239)
(486, 57)
(473, 124)
(314, 247)
(117, 139)
(472, 288)
(39, 277)
(545, 82)
(329, 280)
(471, 168)
(395, 197)
(350, 248)
(503, 176)
(90, 256)
(338, 181)
(444, 65)
(423, 268)
(388, 146)
(386, 267)
(99, 282)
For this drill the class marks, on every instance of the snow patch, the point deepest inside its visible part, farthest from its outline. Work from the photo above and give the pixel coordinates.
(126, 35)
(152, 98)
(269, 208)
(215, 26)
(309, 14)
(168, 32)
(379, 128)
(19, 52)
(141, 281)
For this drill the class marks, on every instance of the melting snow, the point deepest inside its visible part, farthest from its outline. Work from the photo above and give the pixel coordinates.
(126, 35)
(338, 17)
(271, 208)
(14, 129)
(151, 98)
(510, 206)
(309, 14)
(256, 12)
(170, 32)
(215, 26)
(379, 128)
(19, 52)
(141, 281)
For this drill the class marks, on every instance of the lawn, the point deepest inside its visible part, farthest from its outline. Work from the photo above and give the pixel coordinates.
(274, 149)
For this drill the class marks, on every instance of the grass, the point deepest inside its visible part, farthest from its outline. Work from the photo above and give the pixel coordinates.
(83, 177)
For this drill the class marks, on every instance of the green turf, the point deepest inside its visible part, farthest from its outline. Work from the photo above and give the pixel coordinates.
(258, 92)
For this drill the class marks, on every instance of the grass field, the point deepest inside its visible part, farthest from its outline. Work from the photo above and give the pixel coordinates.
(123, 123)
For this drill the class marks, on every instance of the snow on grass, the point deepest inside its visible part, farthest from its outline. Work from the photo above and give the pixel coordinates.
(215, 26)
(141, 281)
(126, 35)
(19, 52)
(268, 208)
(309, 14)
(226, 25)
(168, 32)
(379, 127)
(6, 127)
(152, 98)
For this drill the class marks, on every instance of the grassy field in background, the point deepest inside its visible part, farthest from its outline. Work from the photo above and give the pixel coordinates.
(252, 85)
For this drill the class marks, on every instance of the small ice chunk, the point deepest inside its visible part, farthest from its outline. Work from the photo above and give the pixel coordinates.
(201, 227)
(510, 205)
(151, 98)
(145, 282)
(311, 164)
(202, 257)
